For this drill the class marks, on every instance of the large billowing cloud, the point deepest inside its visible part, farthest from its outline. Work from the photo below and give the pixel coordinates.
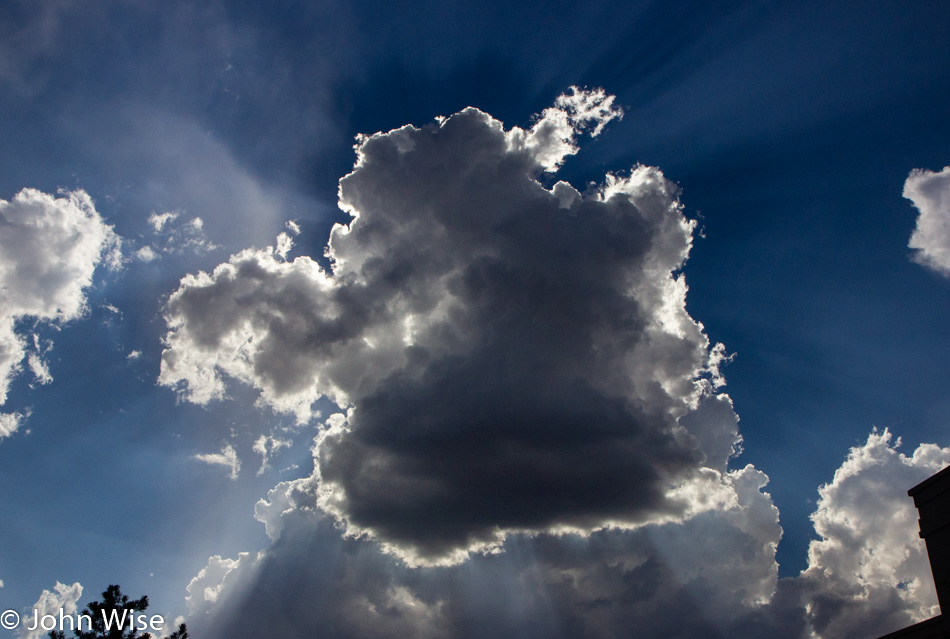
(49, 249)
(513, 358)
(930, 193)
(517, 374)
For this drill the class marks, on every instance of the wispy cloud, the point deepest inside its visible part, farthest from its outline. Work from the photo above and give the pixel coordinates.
(227, 457)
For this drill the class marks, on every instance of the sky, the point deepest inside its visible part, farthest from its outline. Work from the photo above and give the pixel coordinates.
(453, 320)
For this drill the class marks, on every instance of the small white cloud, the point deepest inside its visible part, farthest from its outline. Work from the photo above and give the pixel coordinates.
(284, 244)
(10, 423)
(146, 254)
(553, 137)
(39, 368)
(62, 597)
(175, 237)
(589, 109)
(159, 220)
(293, 227)
(227, 457)
(134, 355)
(930, 193)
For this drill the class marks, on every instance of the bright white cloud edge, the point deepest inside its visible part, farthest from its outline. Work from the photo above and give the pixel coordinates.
(930, 193)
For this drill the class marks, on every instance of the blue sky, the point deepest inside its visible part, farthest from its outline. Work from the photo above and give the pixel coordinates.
(790, 129)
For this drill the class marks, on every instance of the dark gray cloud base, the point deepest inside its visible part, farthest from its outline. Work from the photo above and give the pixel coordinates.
(712, 575)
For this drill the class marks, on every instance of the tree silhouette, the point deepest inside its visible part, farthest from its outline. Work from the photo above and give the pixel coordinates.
(117, 617)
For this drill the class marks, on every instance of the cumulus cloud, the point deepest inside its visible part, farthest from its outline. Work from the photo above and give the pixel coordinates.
(513, 357)
(146, 254)
(227, 457)
(158, 220)
(930, 193)
(869, 572)
(49, 249)
(517, 374)
(50, 602)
